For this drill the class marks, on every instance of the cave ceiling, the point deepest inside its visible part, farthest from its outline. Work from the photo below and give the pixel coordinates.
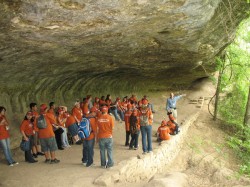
(93, 46)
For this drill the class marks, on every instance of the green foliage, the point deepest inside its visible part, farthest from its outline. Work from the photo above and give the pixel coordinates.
(235, 68)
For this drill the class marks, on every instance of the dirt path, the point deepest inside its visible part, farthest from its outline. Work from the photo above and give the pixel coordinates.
(70, 171)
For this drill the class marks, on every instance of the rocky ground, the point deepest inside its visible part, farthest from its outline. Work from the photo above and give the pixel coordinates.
(203, 161)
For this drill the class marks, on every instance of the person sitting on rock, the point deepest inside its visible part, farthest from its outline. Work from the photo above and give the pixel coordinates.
(172, 124)
(163, 132)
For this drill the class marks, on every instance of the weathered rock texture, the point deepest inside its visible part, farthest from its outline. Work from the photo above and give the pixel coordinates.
(63, 49)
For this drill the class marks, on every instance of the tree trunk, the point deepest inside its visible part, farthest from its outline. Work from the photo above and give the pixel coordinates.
(217, 96)
(247, 113)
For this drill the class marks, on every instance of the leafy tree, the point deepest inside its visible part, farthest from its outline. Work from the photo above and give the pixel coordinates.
(234, 87)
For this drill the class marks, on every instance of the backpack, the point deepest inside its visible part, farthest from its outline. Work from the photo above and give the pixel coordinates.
(84, 129)
(41, 122)
(144, 119)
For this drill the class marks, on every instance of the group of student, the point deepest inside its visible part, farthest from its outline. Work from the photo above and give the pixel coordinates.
(58, 123)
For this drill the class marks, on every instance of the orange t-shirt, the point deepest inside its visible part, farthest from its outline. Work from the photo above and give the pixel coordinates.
(108, 102)
(61, 120)
(126, 119)
(105, 125)
(70, 121)
(124, 105)
(85, 108)
(4, 134)
(27, 127)
(77, 113)
(171, 126)
(92, 121)
(102, 102)
(164, 132)
(48, 131)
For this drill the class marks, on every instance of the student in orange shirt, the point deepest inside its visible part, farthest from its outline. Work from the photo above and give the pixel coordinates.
(163, 132)
(36, 149)
(47, 136)
(88, 143)
(96, 103)
(102, 102)
(173, 126)
(73, 128)
(5, 137)
(28, 132)
(108, 102)
(146, 120)
(84, 106)
(127, 123)
(56, 128)
(134, 129)
(77, 112)
(105, 126)
(61, 120)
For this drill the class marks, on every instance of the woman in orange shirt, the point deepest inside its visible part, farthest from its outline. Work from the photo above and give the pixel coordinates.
(5, 137)
(28, 132)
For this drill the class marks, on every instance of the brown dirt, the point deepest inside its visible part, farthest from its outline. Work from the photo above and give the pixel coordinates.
(205, 140)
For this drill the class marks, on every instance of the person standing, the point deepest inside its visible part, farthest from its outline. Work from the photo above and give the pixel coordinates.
(146, 121)
(36, 149)
(5, 137)
(171, 103)
(57, 128)
(105, 126)
(28, 132)
(88, 143)
(134, 130)
(46, 135)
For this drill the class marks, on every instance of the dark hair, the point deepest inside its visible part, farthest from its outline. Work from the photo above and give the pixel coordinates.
(2, 108)
(103, 97)
(51, 104)
(32, 105)
(108, 97)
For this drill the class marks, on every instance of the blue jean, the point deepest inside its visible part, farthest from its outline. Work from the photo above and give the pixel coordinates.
(5, 144)
(65, 142)
(134, 140)
(115, 113)
(88, 151)
(121, 113)
(106, 144)
(146, 133)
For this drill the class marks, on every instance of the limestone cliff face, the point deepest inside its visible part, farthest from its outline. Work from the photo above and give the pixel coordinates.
(63, 49)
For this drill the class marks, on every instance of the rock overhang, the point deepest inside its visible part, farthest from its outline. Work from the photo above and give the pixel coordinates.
(74, 46)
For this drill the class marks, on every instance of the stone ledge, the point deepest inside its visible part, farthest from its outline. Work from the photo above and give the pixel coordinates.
(143, 167)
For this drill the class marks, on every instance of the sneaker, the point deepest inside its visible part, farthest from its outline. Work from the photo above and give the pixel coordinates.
(91, 165)
(144, 153)
(35, 155)
(15, 163)
(11, 165)
(47, 161)
(150, 151)
(55, 161)
(135, 148)
(84, 163)
(104, 167)
(109, 166)
(79, 142)
(40, 153)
